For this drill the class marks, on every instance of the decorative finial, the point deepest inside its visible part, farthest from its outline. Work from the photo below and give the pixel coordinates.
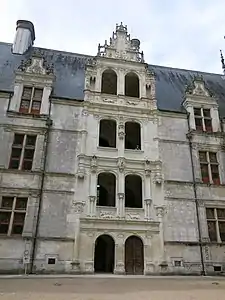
(222, 61)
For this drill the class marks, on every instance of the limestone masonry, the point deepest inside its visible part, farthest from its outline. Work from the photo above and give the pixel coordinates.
(109, 164)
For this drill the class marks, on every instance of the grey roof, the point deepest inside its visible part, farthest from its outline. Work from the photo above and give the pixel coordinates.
(69, 69)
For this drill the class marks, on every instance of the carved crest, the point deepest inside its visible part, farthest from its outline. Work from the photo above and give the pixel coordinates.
(36, 65)
(198, 87)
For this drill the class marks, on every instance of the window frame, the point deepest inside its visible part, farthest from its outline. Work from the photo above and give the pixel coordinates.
(209, 163)
(23, 148)
(217, 221)
(203, 119)
(31, 101)
(13, 211)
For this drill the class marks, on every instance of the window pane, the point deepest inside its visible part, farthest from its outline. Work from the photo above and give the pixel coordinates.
(202, 156)
(14, 164)
(31, 140)
(212, 231)
(7, 202)
(27, 165)
(24, 106)
(221, 213)
(21, 203)
(27, 92)
(212, 157)
(16, 152)
(206, 113)
(18, 139)
(29, 153)
(36, 106)
(18, 223)
(215, 174)
(197, 111)
(204, 172)
(198, 123)
(208, 125)
(38, 94)
(222, 231)
(210, 213)
(4, 222)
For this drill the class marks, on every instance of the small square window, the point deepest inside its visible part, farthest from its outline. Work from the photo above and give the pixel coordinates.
(177, 263)
(217, 268)
(51, 261)
(7, 202)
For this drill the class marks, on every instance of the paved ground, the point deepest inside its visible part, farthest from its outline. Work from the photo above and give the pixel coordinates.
(110, 288)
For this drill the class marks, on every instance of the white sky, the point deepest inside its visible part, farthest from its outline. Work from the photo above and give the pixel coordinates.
(178, 33)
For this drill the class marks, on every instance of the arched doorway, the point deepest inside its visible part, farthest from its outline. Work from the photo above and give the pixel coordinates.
(134, 255)
(104, 254)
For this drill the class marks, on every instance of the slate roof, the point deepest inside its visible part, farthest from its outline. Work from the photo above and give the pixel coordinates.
(69, 69)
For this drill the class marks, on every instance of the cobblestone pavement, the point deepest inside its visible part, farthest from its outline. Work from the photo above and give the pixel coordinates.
(110, 288)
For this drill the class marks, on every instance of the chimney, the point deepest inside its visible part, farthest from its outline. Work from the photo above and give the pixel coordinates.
(24, 38)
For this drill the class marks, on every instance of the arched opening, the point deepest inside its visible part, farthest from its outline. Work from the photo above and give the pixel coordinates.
(134, 255)
(107, 133)
(104, 254)
(109, 82)
(133, 191)
(106, 189)
(132, 85)
(132, 136)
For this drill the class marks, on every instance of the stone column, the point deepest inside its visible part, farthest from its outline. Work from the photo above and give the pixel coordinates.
(202, 220)
(147, 207)
(119, 259)
(83, 141)
(78, 209)
(190, 109)
(45, 100)
(121, 189)
(98, 82)
(215, 119)
(16, 99)
(121, 82)
(160, 211)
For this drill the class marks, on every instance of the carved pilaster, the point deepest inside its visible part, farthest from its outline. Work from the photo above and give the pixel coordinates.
(121, 164)
(94, 164)
(121, 131)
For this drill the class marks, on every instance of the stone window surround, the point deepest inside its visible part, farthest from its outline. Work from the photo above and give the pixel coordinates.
(23, 147)
(210, 165)
(203, 119)
(32, 99)
(216, 220)
(13, 210)
(120, 133)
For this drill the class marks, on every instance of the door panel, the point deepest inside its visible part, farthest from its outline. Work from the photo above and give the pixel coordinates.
(134, 256)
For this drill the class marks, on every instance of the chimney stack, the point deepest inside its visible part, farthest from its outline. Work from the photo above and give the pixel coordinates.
(25, 36)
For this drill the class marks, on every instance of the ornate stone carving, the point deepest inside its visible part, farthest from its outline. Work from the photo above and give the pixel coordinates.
(94, 164)
(78, 206)
(148, 201)
(121, 164)
(109, 100)
(89, 267)
(106, 215)
(121, 131)
(200, 203)
(120, 236)
(36, 65)
(198, 87)
(84, 112)
(147, 168)
(121, 46)
(119, 267)
(160, 211)
(92, 198)
(133, 216)
(80, 173)
(121, 196)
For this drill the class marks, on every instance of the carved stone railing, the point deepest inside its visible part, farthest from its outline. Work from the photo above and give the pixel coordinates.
(134, 214)
(104, 212)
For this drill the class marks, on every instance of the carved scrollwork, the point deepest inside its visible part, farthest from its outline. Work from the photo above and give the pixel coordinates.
(78, 206)
(121, 164)
(94, 164)
(121, 131)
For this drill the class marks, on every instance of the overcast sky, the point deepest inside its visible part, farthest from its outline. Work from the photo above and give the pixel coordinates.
(178, 33)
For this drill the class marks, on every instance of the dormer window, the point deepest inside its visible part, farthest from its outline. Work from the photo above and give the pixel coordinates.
(31, 100)
(203, 121)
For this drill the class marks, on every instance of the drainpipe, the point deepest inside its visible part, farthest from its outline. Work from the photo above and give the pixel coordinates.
(46, 143)
(195, 195)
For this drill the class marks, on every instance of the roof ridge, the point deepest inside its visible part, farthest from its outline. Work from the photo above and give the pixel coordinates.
(185, 70)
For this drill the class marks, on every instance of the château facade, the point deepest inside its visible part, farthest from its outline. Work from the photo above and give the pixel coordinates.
(107, 163)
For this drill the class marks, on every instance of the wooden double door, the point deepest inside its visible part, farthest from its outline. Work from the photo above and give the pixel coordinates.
(134, 256)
